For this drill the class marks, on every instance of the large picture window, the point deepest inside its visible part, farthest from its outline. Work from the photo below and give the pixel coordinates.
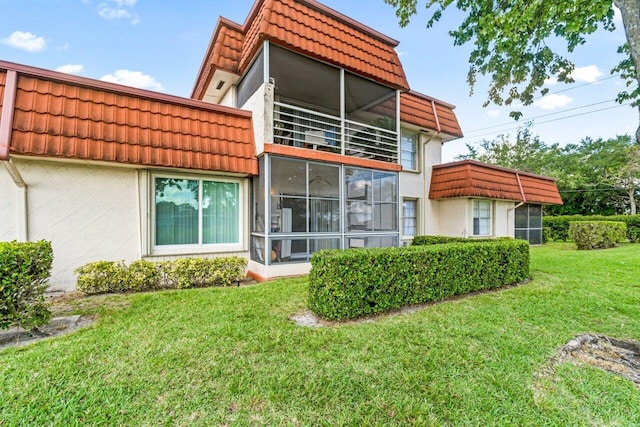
(192, 211)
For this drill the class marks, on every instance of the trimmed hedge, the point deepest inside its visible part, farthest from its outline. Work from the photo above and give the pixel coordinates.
(345, 284)
(111, 276)
(559, 225)
(597, 234)
(438, 240)
(24, 273)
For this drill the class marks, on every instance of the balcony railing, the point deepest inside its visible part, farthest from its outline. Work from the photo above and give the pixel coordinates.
(299, 127)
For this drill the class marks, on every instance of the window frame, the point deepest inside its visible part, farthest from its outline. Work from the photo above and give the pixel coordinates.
(489, 218)
(416, 151)
(195, 248)
(416, 217)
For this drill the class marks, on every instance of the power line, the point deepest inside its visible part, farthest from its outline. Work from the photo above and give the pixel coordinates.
(579, 86)
(543, 115)
(551, 120)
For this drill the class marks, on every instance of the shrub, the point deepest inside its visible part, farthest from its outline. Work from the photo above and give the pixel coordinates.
(559, 225)
(110, 276)
(199, 272)
(24, 271)
(438, 240)
(140, 275)
(597, 234)
(101, 277)
(352, 283)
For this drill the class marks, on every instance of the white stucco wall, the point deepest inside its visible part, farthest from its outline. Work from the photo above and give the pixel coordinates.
(415, 185)
(504, 219)
(455, 218)
(261, 106)
(88, 213)
(8, 207)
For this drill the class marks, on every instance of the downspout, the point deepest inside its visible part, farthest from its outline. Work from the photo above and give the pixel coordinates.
(524, 200)
(427, 186)
(6, 127)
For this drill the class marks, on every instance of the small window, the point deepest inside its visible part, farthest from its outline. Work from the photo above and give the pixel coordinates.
(409, 218)
(195, 211)
(481, 218)
(409, 143)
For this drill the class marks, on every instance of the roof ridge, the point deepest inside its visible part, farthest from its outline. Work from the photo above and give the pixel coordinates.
(90, 83)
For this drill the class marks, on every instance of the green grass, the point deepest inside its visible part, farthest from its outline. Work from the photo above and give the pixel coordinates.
(232, 356)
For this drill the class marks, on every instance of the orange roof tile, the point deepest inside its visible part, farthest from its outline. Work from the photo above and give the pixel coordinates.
(57, 115)
(430, 113)
(470, 178)
(309, 28)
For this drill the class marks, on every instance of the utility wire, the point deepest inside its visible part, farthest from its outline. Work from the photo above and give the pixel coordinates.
(579, 86)
(543, 115)
(551, 120)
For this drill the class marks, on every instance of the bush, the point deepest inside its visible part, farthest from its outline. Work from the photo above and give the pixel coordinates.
(24, 271)
(559, 225)
(597, 234)
(110, 276)
(101, 277)
(198, 272)
(438, 240)
(352, 283)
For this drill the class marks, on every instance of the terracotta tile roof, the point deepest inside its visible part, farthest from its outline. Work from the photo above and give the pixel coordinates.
(470, 178)
(57, 115)
(309, 28)
(430, 113)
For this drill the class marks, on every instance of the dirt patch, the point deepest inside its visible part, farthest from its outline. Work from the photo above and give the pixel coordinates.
(610, 354)
(16, 336)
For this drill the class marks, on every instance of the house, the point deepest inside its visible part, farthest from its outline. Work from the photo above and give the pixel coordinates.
(302, 134)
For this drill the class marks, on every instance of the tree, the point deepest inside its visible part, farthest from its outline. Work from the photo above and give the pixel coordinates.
(510, 41)
(527, 153)
(594, 176)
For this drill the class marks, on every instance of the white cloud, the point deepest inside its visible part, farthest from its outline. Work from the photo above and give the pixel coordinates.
(588, 74)
(25, 41)
(71, 68)
(63, 47)
(493, 113)
(119, 10)
(551, 81)
(551, 102)
(133, 78)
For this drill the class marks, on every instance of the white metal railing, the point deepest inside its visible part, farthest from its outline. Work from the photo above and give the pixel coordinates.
(300, 127)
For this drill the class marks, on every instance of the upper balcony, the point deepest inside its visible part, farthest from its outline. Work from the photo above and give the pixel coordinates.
(322, 107)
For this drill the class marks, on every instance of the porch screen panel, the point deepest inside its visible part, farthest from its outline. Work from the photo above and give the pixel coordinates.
(220, 212)
(176, 210)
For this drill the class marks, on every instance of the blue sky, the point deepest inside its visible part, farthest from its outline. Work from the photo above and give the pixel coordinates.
(159, 45)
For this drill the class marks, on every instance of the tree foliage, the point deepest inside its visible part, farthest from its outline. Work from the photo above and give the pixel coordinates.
(512, 40)
(594, 176)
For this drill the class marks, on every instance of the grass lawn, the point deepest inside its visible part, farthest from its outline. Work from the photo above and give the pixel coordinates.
(232, 356)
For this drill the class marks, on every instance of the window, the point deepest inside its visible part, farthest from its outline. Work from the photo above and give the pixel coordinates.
(481, 218)
(371, 200)
(409, 143)
(528, 224)
(409, 218)
(193, 211)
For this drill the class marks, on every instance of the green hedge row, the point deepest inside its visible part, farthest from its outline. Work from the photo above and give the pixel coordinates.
(438, 240)
(597, 234)
(558, 226)
(24, 271)
(352, 283)
(111, 276)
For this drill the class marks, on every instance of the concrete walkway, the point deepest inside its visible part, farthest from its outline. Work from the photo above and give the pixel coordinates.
(57, 326)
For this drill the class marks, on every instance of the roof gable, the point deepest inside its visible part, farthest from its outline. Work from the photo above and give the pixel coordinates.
(470, 178)
(62, 116)
(309, 28)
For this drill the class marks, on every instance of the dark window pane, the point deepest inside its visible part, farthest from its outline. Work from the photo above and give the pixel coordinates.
(176, 209)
